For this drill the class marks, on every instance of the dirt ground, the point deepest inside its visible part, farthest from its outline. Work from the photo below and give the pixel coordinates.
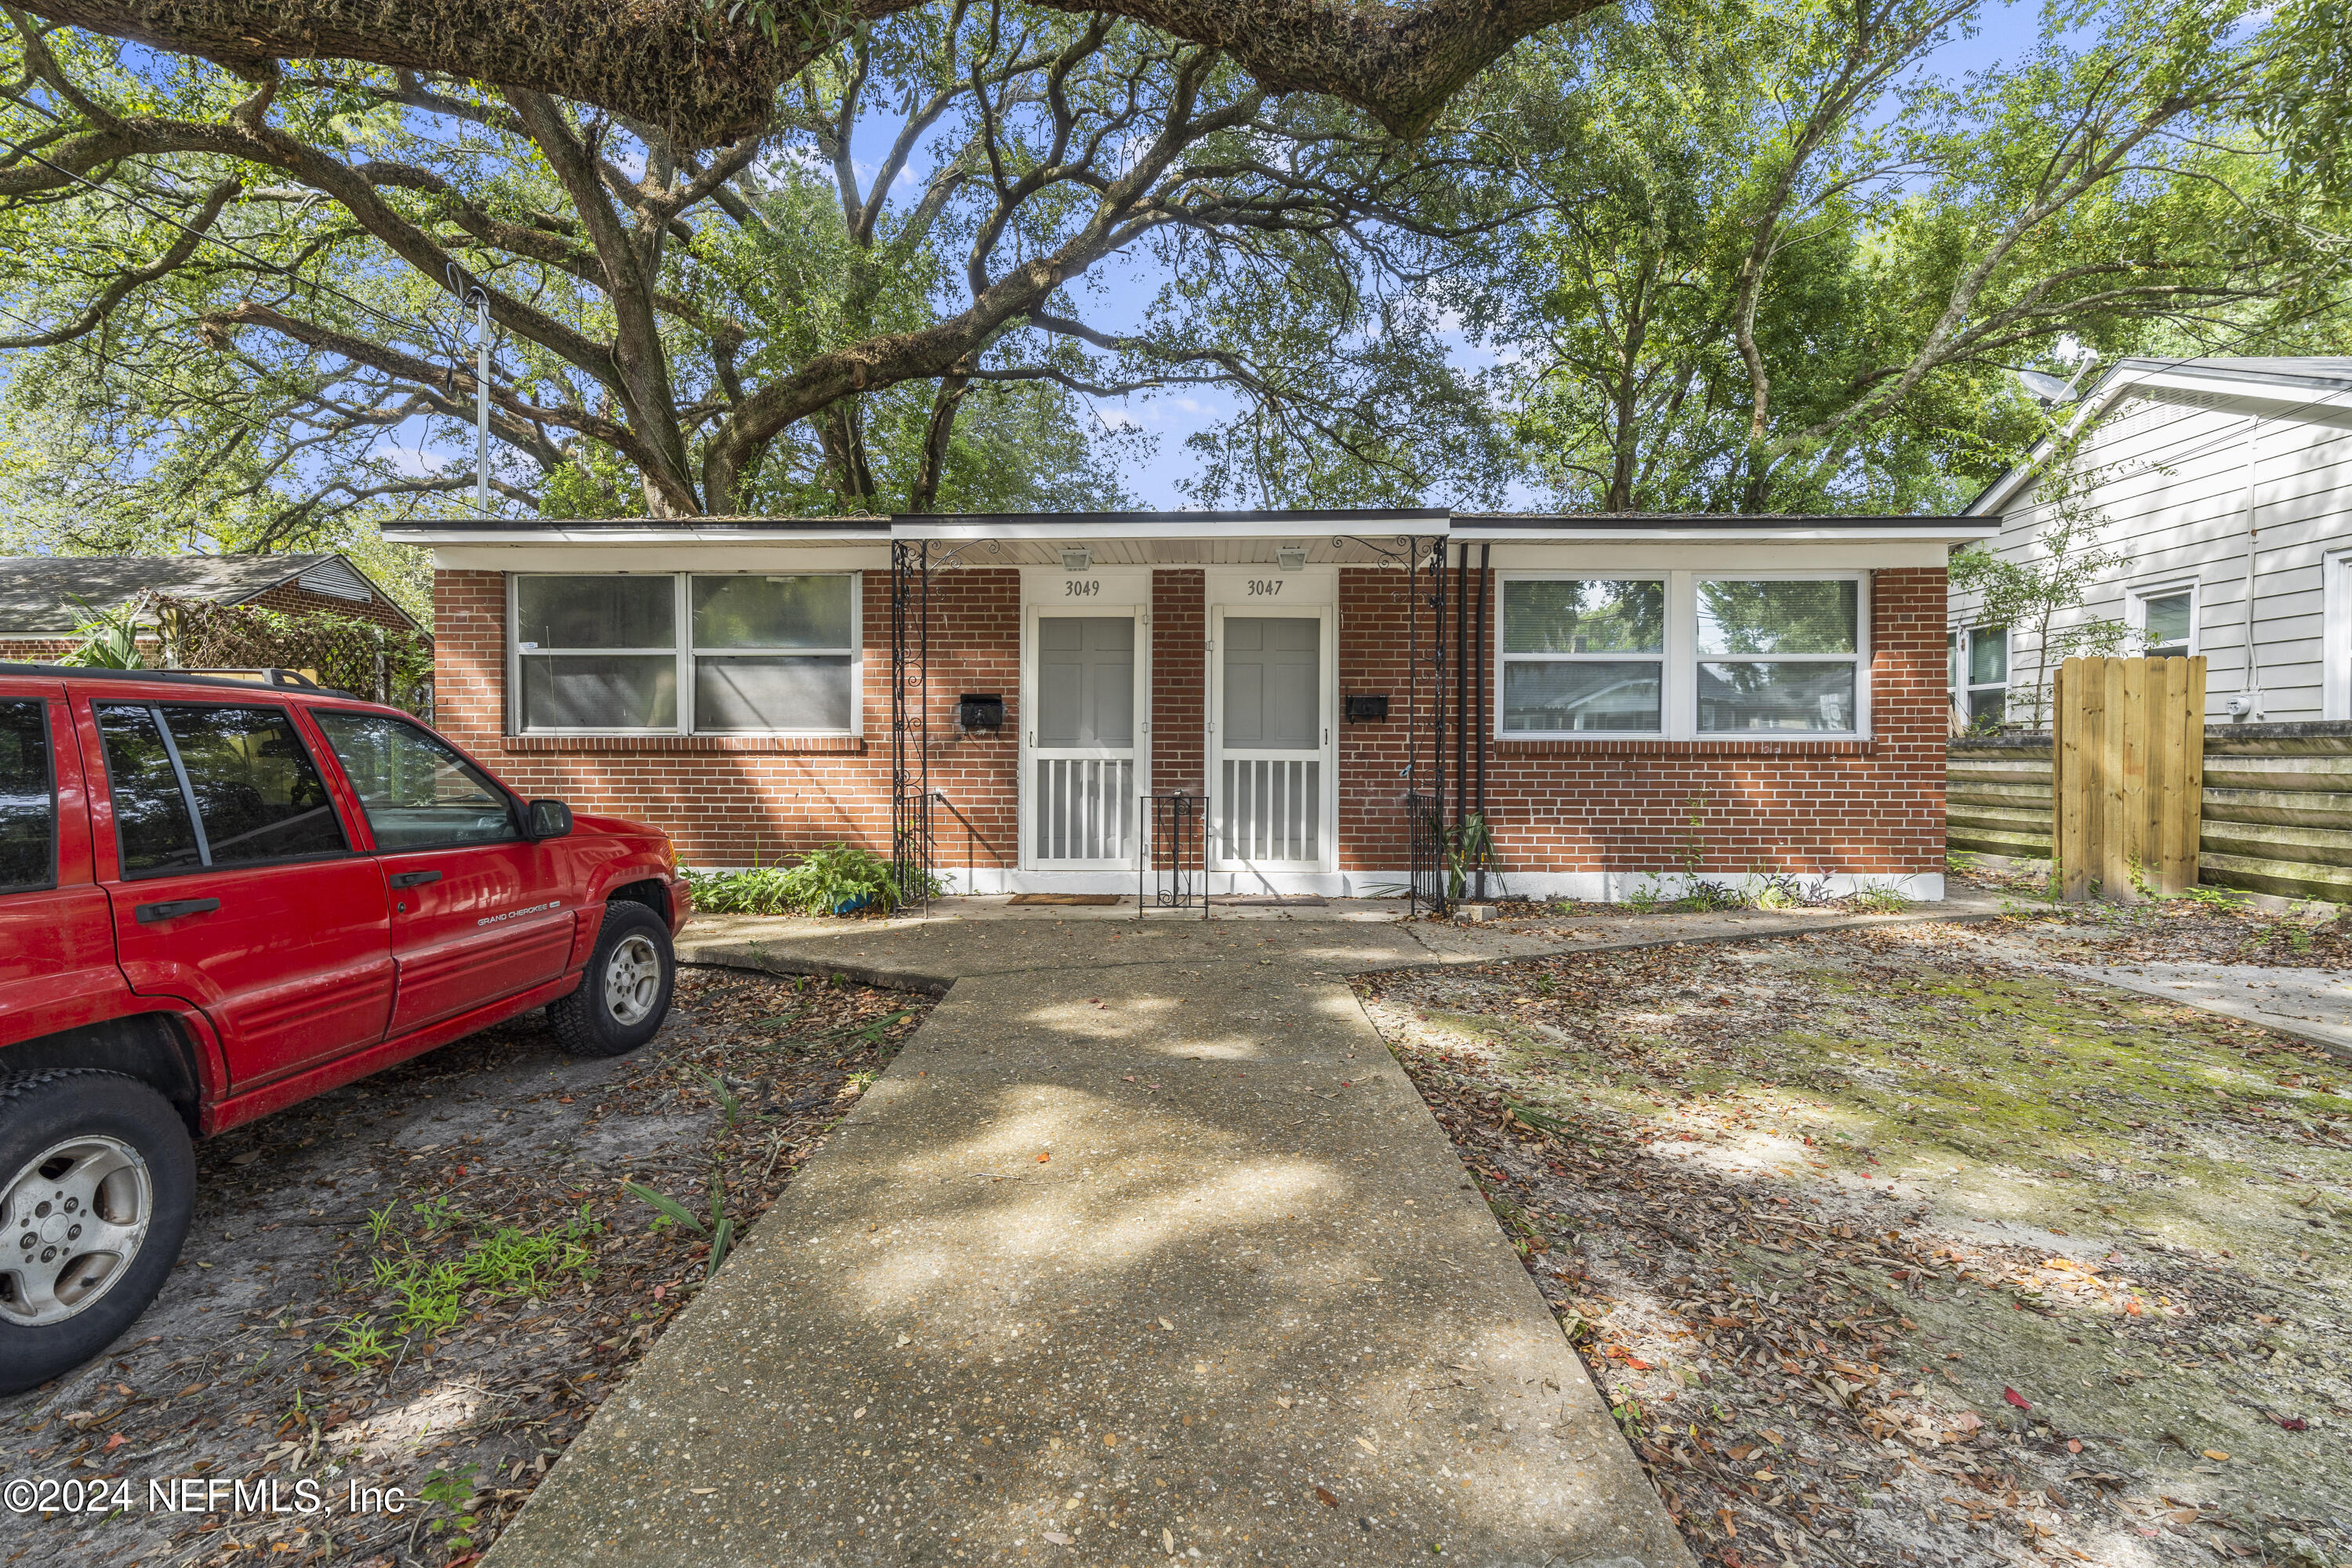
(1903, 1247)
(430, 1279)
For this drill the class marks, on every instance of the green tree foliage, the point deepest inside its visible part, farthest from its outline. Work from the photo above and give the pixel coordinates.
(243, 310)
(2032, 596)
(1773, 265)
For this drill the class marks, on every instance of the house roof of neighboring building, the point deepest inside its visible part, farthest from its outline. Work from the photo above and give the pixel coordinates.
(1365, 526)
(49, 594)
(2313, 387)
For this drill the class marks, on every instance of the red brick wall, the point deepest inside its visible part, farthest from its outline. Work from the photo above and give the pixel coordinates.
(1179, 679)
(41, 650)
(728, 800)
(1870, 807)
(294, 598)
(1858, 808)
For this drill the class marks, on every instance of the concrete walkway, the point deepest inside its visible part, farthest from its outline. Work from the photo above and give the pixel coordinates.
(1144, 1246)
(2314, 1004)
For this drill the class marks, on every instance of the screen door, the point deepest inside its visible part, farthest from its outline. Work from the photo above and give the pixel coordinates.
(1082, 743)
(1272, 735)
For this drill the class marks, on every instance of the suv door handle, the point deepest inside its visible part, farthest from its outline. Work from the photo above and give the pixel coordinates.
(172, 908)
(413, 879)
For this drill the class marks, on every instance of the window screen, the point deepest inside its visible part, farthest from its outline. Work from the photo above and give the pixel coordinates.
(745, 680)
(2167, 628)
(758, 653)
(597, 653)
(1565, 642)
(1794, 650)
(29, 801)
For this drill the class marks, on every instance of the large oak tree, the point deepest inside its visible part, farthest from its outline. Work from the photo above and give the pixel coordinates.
(686, 329)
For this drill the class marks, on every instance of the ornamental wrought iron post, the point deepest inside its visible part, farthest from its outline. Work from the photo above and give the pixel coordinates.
(1425, 806)
(910, 722)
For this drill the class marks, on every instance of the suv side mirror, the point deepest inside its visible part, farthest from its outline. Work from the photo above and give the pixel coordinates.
(546, 819)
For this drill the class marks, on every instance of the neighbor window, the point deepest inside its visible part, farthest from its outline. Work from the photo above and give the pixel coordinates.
(1584, 653)
(1779, 654)
(2167, 619)
(1988, 676)
(742, 653)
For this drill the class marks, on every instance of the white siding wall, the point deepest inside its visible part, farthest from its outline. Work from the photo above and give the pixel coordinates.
(2170, 480)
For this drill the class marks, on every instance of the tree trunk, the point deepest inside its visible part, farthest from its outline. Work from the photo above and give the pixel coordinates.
(925, 491)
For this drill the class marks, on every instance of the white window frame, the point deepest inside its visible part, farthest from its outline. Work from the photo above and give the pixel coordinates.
(2135, 610)
(2336, 636)
(685, 652)
(1682, 659)
(1663, 657)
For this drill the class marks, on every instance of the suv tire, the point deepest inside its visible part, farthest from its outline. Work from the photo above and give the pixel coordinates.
(85, 1156)
(625, 992)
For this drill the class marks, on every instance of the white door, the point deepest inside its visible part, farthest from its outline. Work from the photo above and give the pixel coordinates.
(1081, 772)
(1270, 793)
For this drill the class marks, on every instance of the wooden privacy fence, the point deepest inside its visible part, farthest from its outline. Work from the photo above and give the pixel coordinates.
(2128, 775)
(2276, 812)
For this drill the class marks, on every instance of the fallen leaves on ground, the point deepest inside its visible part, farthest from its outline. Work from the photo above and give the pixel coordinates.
(497, 1133)
(1894, 1246)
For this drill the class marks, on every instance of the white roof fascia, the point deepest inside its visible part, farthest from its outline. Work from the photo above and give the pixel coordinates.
(1762, 533)
(666, 534)
(1010, 529)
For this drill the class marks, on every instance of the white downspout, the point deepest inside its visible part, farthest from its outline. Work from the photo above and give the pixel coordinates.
(2248, 702)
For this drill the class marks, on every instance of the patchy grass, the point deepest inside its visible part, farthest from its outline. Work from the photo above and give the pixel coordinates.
(1897, 1246)
(429, 1279)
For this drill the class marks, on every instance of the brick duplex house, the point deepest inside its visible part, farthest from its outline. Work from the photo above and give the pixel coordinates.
(1620, 697)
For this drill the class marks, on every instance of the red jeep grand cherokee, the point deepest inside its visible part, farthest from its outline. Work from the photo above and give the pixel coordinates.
(219, 898)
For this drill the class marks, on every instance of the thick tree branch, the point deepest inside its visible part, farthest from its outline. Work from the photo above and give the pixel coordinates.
(132, 277)
(704, 81)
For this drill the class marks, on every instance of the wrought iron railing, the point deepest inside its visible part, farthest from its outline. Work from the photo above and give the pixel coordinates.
(1426, 856)
(911, 848)
(1173, 871)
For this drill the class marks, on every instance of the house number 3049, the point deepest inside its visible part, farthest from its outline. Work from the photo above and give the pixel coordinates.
(1266, 586)
(1081, 588)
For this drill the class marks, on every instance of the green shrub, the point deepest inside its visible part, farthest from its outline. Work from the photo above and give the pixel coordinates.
(836, 879)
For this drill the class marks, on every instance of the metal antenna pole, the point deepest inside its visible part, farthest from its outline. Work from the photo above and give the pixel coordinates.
(481, 401)
(474, 294)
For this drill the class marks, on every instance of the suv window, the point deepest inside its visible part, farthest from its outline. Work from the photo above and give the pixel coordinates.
(152, 823)
(29, 801)
(256, 793)
(417, 792)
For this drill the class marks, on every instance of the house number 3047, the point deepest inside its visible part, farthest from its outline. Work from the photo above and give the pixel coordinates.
(1081, 587)
(1266, 585)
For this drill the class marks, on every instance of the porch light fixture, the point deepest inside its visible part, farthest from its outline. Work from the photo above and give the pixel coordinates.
(1291, 557)
(1077, 557)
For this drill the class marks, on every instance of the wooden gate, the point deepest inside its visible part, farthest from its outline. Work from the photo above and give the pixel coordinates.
(2127, 775)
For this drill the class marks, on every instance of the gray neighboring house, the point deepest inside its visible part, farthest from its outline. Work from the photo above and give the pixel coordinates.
(2226, 487)
(43, 597)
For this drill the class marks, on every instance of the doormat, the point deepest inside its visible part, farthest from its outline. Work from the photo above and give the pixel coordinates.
(1271, 900)
(1065, 899)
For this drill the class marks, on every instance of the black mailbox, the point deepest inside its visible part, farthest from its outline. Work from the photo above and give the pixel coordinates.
(1369, 709)
(983, 715)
